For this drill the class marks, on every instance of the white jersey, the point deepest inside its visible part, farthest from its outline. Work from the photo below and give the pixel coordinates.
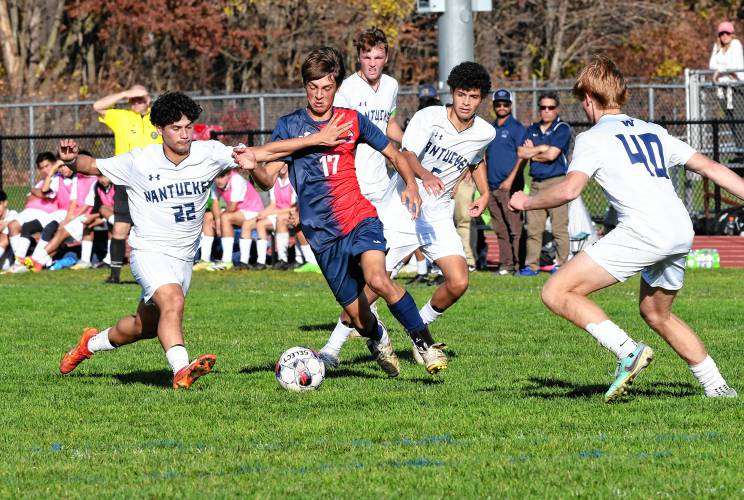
(378, 106)
(446, 153)
(167, 201)
(629, 158)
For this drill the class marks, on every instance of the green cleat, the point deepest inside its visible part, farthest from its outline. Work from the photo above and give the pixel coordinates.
(308, 268)
(627, 370)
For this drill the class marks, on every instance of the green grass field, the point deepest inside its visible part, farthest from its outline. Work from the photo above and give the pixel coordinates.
(520, 412)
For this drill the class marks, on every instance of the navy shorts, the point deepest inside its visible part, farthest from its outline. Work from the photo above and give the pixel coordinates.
(340, 262)
(121, 205)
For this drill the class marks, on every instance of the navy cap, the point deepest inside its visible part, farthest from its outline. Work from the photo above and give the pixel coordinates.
(427, 90)
(502, 95)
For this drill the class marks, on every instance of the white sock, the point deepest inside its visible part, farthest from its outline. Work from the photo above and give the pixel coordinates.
(298, 253)
(206, 247)
(20, 245)
(282, 244)
(86, 250)
(421, 267)
(40, 254)
(612, 337)
(261, 246)
(227, 249)
(307, 252)
(2, 252)
(177, 358)
(428, 314)
(708, 375)
(107, 258)
(245, 249)
(100, 342)
(338, 338)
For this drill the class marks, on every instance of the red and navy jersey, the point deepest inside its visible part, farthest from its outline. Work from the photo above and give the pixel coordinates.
(330, 201)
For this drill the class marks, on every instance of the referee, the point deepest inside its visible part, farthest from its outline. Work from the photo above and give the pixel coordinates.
(132, 129)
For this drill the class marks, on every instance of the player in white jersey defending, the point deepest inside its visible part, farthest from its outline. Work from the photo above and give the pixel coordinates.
(373, 94)
(629, 159)
(168, 186)
(442, 142)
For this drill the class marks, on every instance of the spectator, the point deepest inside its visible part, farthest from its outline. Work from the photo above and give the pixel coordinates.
(132, 129)
(243, 205)
(275, 217)
(5, 218)
(40, 208)
(546, 147)
(726, 57)
(505, 177)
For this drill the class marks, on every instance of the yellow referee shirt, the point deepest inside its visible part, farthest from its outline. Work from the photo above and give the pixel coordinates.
(131, 130)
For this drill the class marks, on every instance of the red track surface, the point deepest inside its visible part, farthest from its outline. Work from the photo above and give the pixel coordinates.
(730, 248)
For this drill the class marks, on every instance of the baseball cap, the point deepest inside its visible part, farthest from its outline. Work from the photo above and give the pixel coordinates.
(726, 26)
(427, 90)
(502, 95)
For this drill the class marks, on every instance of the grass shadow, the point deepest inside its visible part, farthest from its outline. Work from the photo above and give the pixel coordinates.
(249, 370)
(153, 378)
(551, 388)
(321, 327)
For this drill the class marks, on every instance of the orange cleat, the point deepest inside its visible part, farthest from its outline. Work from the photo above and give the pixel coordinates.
(32, 265)
(188, 374)
(77, 354)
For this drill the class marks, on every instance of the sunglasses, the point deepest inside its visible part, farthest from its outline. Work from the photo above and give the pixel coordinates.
(721, 33)
(544, 108)
(502, 105)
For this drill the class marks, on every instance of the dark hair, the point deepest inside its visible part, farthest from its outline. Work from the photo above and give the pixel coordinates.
(469, 75)
(425, 102)
(549, 95)
(371, 38)
(171, 106)
(46, 155)
(3, 195)
(321, 62)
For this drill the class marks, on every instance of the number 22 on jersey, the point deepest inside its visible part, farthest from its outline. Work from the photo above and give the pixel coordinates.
(636, 154)
(330, 164)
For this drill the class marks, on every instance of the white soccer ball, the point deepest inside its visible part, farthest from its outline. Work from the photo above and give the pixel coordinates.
(300, 369)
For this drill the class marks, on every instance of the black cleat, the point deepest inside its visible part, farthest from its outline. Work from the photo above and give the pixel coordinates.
(436, 281)
(419, 279)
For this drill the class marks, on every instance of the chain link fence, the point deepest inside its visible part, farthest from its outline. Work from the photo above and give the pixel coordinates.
(248, 119)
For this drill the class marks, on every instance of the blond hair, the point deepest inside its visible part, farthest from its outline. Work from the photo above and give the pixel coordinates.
(602, 81)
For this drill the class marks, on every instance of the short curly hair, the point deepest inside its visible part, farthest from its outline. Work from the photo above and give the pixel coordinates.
(469, 75)
(171, 106)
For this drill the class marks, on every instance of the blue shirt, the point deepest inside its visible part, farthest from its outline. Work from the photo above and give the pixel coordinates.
(501, 155)
(330, 201)
(558, 135)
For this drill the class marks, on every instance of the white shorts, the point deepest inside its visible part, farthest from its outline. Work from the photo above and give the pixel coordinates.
(29, 214)
(618, 254)
(153, 270)
(249, 214)
(376, 198)
(75, 227)
(10, 216)
(441, 241)
(58, 215)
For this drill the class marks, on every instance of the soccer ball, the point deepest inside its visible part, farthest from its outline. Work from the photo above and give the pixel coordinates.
(300, 369)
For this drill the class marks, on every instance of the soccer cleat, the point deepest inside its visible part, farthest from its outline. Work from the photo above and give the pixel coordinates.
(627, 370)
(220, 266)
(18, 268)
(417, 356)
(259, 267)
(112, 280)
(33, 265)
(280, 265)
(527, 272)
(419, 279)
(434, 358)
(202, 265)
(81, 265)
(504, 272)
(307, 267)
(438, 280)
(77, 354)
(723, 391)
(383, 353)
(329, 358)
(197, 368)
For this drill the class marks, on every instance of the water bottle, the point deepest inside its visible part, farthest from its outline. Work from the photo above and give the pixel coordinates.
(716, 258)
(68, 260)
(691, 261)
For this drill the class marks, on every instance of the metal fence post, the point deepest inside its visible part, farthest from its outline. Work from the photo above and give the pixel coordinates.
(651, 104)
(262, 109)
(716, 188)
(1, 162)
(31, 147)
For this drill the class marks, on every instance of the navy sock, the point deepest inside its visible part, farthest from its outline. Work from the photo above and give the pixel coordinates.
(406, 312)
(374, 331)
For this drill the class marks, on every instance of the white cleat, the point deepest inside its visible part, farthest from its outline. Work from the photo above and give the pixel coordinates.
(723, 392)
(329, 358)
